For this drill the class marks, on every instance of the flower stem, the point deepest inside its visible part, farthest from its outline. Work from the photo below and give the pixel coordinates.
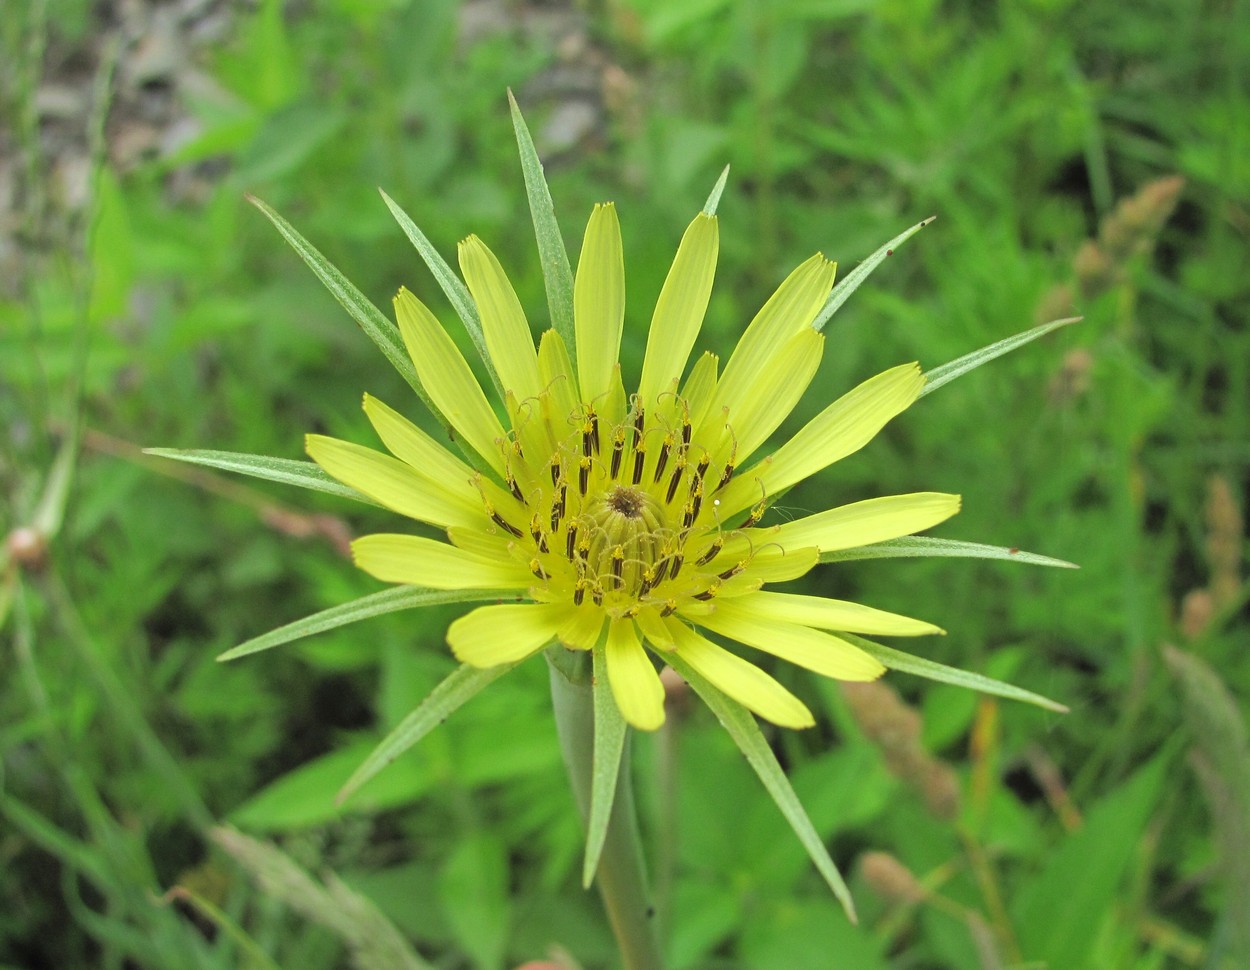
(621, 877)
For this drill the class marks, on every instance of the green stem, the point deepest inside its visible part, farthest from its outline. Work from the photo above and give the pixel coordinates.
(621, 877)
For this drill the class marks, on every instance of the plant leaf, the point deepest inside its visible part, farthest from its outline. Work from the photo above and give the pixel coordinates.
(287, 471)
(609, 746)
(909, 547)
(932, 670)
(713, 200)
(557, 274)
(737, 720)
(851, 282)
(957, 368)
(375, 604)
(374, 941)
(452, 286)
(372, 321)
(459, 686)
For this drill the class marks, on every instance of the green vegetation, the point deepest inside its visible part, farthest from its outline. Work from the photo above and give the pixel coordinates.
(1081, 158)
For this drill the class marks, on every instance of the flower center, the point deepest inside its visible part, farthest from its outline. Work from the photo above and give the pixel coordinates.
(621, 512)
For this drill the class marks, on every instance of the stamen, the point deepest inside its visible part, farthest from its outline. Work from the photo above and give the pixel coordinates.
(536, 531)
(733, 570)
(663, 459)
(708, 593)
(583, 475)
(726, 475)
(686, 431)
(618, 564)
(579, 592)
(503, 523)
(618, 449)
(594, 430)
(515, 488)
(700, 470)
(649, 580)
(640, 455)
(555, 470)
(638, 421)
(675, 565)
(669, 608)
(537, 569)
(712, 550)
(557, 507)
(675, 480)
(757, 513)
(570, 541)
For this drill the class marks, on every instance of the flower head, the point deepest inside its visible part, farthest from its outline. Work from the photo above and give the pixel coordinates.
(638, 517)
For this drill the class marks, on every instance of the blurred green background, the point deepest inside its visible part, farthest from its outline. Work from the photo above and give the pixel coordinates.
(1088, 157)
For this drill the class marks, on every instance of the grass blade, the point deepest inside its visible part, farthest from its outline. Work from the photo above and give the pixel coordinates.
(287, 471)
(452, 286)
(912, 547)
(457, 688)
(957, 368)
(372, 321)
(557, 274)
(932, 670)
(851, 282)
(609, 746)
(375, 604)
(737, 720)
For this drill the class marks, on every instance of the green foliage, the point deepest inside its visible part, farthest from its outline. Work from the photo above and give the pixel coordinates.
(143, 302)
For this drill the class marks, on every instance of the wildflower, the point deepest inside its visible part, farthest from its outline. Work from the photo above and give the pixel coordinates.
(640, 518)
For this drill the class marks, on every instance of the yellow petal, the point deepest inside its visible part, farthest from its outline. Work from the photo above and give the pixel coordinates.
(507, 333)
(828, 614)
(391, 482)
(437, 565)
(410, 444)
(556, 373)
(701, 384)
(504, 633)
(599, 301)
(757, 412)
(841, 429)
(448, 380)
(873, 520)
(654, 629)
(741, 680)
(788, 312)
(581, 629)
(636, 686)
(680, 308)
(820, 652)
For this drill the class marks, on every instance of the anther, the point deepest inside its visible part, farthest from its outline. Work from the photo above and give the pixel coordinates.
(757, 513)
(579, 593)
(663, 459)
(649, 580)
(675, 481)
(640, 455)
(537, 569)
(618, 449)
(700, 470)
(733, 570)
(618, 564)
(557, 507)
(669, 608)
(536, 531)
(708, 593)
(570, 542)
(555, 472)
(685, 433)
(712, 550)
(675, 566)
(596, 594)
(503, 523)
(515, 489)
(594, 431)
(638, 421)
(583, 475)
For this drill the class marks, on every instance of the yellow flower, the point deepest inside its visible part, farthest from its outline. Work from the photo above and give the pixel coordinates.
(640, 518)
